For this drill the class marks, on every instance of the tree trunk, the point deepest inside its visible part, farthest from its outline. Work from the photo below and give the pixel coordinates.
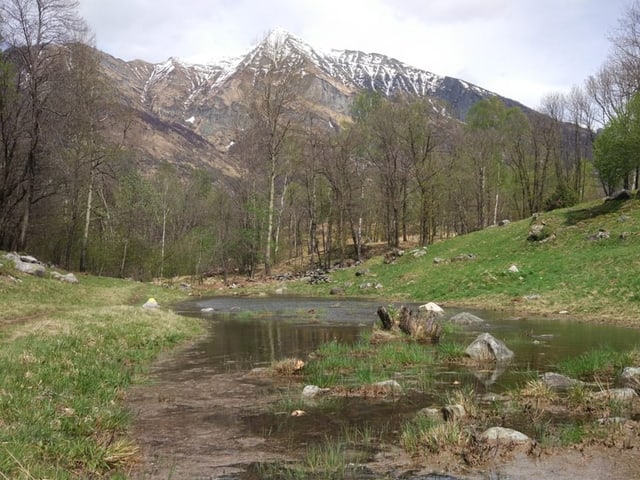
(270, 209)
(87, 224)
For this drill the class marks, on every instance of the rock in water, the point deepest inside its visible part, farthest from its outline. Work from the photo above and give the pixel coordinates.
(487, 348)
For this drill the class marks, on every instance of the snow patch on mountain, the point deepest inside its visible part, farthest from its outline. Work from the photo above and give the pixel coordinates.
(371, 71)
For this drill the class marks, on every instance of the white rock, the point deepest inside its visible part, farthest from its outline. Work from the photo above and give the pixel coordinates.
(500, 434)
(432, 307)
(513, 269)
(69, 278)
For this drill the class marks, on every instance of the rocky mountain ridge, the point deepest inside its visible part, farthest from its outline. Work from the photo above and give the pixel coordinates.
(184, 113)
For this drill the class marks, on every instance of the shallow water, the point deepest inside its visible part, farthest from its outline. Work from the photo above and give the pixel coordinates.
(250, 332)
(244, 333)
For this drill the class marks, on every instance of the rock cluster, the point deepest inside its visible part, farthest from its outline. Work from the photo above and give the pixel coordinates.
(32, 266)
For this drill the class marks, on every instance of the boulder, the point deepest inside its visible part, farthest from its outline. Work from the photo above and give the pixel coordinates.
(601, 235)
(630, 377)
(465, 318)
(617, 394)
(558, 382)
(453, 413)
(69, 278)
(423, 326)
(513, 269)
(502, 435)
(31, 267)
(487, 348)
(540, 232)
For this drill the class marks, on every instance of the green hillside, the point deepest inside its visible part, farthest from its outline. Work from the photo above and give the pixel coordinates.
(573, 273)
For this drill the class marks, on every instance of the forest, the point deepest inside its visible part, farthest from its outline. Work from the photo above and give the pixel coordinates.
(305, 193)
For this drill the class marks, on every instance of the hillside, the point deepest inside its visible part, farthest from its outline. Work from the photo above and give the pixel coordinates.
(577, 274)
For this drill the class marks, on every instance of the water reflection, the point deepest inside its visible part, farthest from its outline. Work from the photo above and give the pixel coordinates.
(249, 332)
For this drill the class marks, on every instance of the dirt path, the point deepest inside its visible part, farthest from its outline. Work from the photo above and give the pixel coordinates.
(192, 427)
(195, 424)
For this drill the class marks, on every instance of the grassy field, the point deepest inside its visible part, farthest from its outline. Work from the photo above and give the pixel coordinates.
(588, 279)
(67, 355)
(69, 352)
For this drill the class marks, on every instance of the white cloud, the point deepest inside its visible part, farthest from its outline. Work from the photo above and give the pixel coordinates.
(521, 49)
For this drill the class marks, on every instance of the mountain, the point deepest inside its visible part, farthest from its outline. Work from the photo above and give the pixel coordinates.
(185, 113)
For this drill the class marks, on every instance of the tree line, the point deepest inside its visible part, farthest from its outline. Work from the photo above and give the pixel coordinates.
(308, 192)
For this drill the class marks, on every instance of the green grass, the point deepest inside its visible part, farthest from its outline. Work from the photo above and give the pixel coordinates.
(337, 364)
(589, 279)
(423, 433)
(600, 362)
(67, 355)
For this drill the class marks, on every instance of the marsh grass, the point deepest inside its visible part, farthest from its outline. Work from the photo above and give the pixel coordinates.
(334, 459)
(65, 364)
(338, 364)
(424, 433)
(465, 397)
(451, 351)
(600, 362)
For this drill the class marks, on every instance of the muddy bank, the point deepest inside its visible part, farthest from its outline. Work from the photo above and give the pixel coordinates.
(189, 428)
(201, 424)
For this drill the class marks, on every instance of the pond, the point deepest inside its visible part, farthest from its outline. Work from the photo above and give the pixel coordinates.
(205, 416)
(247, 332)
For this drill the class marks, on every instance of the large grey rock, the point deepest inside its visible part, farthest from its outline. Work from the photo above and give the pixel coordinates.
(630, 377)
(28, 267)
(617, 394)
(465, 318)
(453, 413)
(558, 382)
(503, 435)
(68, 278)
(487, 348)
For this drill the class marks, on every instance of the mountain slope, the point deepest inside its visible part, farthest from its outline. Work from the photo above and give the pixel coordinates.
(192, 109)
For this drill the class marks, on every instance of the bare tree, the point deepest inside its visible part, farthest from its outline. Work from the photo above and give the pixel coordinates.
(272, 118)
(32, 29)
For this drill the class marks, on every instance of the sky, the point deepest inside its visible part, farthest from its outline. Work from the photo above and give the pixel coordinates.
(521, 49)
